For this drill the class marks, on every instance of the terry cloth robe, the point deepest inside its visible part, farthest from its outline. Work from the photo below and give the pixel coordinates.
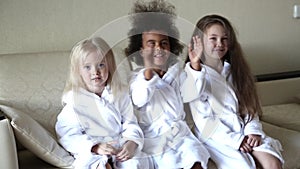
(159, 109)
(214, 107)
(87, 119)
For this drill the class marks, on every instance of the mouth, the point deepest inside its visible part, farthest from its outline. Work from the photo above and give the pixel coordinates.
(159, 55)
(96, 79)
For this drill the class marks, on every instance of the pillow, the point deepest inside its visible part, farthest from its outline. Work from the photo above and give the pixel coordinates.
(37, 139)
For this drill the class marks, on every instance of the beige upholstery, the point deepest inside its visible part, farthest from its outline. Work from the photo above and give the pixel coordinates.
(33, 83)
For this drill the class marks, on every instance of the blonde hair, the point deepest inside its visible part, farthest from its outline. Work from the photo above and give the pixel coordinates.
(80, 52)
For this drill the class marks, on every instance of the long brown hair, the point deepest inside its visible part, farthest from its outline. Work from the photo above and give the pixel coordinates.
(242, 78)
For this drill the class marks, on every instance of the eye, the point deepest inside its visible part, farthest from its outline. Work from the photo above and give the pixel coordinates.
(213, 38)
(151, 44)
(165, 43)
(102, 65)
(224, 39)
(87, 67)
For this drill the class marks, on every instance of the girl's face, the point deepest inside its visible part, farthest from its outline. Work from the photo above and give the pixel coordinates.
(94, 72)
(156, 48)
(215, 42)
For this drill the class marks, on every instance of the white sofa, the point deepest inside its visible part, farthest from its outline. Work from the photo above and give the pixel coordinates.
(30, 90)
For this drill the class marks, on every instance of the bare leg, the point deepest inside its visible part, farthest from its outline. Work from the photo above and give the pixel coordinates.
(266, 160)
(197, 165)
(107, 166)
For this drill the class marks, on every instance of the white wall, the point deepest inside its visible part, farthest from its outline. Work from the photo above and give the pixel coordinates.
(267, 31)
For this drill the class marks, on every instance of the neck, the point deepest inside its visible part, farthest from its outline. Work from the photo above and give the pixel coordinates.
(160, 72)
(215, 64)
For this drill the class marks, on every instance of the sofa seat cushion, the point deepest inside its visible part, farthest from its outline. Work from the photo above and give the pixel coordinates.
(289, 140)
(283, 115)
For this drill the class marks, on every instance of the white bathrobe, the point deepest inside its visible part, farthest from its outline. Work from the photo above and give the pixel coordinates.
(159, 109)
(214, 107)
(88, 119)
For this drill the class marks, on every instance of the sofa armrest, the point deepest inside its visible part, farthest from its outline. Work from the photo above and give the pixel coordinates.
(9, 158)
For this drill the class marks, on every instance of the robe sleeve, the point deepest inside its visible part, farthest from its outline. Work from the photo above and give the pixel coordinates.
(141, 89)
(130, 128)
(70, 133)
(193, 84)
(254, 127)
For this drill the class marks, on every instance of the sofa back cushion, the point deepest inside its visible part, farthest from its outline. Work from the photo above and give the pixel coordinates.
(34, 83)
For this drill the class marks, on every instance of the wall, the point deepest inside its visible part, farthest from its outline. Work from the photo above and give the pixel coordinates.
(267, 31)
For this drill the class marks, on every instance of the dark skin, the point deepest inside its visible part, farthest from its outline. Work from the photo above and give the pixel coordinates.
(155, 51)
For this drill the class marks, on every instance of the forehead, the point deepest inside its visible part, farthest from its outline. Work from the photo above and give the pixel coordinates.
(215, 29)
(93, 56)
(154, 34)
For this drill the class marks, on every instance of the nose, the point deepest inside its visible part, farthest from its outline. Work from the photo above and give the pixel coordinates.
(158, 46)
(219, 43)
(95, 70)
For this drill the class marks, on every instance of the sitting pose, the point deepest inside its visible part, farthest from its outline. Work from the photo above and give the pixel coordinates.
(97, 124)
(224, 103)
(155, 89)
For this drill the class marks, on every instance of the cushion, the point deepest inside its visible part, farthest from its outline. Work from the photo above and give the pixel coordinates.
(289, 140)
(37, 139)
(283, 115)
(27, 84)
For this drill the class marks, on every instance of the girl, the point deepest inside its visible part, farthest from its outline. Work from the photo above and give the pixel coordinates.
(97, 122)
(225, 107)
(155, 89)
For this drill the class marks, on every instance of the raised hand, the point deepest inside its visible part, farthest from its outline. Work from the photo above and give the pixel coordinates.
(195, 52)
(147, 55)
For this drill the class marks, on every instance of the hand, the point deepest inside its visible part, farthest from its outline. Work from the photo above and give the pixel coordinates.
(195, 53)
(127, 151)
(245, 147)
(254, 140)
(147, 55)
(105, 148)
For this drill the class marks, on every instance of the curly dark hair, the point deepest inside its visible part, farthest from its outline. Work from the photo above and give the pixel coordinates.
(154, 15)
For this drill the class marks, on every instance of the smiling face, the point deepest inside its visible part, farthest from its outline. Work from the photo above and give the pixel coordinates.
(94, 72)
(215, 42)
(156, 48)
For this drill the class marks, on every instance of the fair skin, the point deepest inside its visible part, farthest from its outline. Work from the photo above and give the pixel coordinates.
(94, 73)
(215, 47)
(156, 52)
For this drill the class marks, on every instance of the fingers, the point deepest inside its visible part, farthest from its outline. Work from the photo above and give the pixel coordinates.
(254, 140)
(123, 155)
(107, 149)
(195, 50)
(246, 148)
(197, 42)
(127, 151)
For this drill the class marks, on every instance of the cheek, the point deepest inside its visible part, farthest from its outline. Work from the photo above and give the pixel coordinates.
(104, 73)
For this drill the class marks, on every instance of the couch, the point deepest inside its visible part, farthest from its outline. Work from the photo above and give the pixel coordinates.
(31, 85)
